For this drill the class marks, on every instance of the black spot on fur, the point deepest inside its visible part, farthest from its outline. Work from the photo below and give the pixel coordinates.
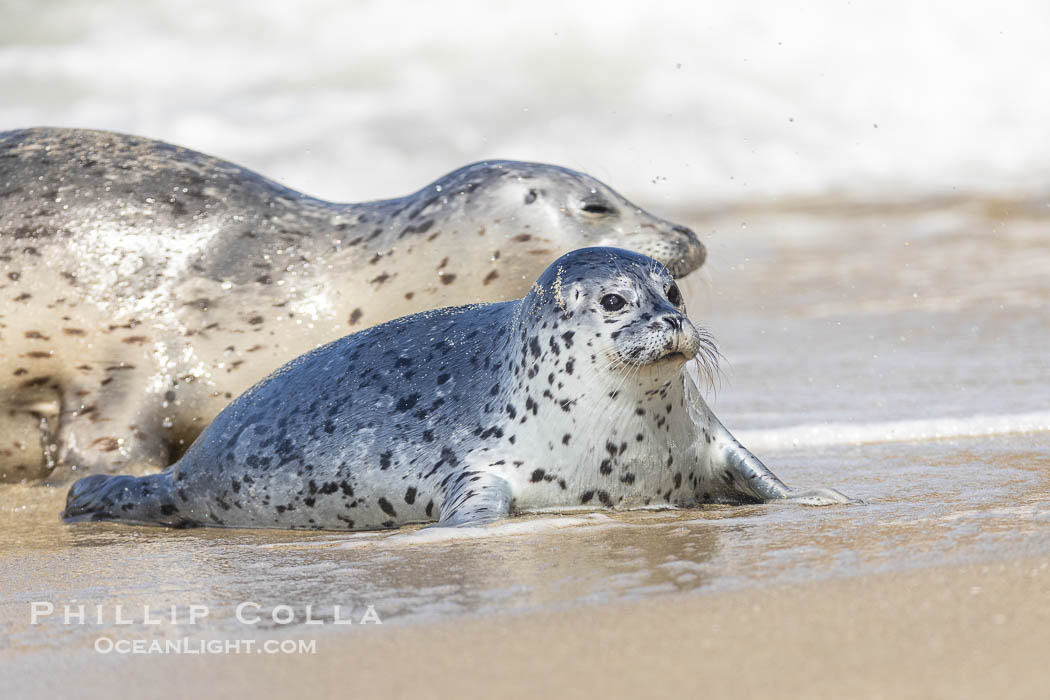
(387, 508)
(534, 346)
(405, 403)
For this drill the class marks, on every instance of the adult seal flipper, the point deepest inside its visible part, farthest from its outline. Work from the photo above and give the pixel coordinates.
(143, 285)
(575, 396)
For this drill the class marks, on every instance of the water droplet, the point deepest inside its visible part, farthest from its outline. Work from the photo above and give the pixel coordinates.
(167, 422)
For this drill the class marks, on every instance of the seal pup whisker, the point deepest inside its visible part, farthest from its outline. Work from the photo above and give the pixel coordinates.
(708, 360)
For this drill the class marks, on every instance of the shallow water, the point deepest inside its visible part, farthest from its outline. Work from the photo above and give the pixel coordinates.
(908, 341)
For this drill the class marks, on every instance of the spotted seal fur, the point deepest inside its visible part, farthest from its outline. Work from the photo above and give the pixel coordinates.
(574, 396)
(143, 285)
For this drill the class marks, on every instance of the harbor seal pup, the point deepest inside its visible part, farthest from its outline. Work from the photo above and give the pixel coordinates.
(574, 396)
(142, 285)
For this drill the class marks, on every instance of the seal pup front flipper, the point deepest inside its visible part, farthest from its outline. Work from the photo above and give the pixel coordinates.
(736, 472)
(475, 498)
(745, 473)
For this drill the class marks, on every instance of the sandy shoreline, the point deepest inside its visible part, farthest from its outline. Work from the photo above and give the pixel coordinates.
(980, 630)
(938, 587)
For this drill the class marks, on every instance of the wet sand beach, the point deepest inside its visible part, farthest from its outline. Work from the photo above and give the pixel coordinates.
(895, 352)
(972, 631)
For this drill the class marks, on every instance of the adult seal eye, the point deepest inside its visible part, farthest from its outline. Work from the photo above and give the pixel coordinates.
(613, 302)
(597, 209)
(673, 295)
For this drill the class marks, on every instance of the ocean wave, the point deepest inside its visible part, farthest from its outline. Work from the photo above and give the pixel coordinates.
(677, 104)
(830, 434)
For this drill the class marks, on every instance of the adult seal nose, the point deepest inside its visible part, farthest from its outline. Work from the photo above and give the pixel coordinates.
(691, 252)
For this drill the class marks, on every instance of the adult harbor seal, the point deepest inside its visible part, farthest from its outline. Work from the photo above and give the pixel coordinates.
(573, 396)
(142, 285)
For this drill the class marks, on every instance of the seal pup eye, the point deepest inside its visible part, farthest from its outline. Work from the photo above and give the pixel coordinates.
(674, 295)
(598, 208)
(613, 302)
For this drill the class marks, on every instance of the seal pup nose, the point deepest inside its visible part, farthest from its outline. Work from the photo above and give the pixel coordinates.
(675, 322)
(687, 339)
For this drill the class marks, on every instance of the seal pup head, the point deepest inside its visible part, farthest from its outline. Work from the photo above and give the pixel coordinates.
(625, 310)
(547, 210)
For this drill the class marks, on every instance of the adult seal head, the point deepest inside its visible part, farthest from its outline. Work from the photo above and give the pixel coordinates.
(142, 285)
(575, 396)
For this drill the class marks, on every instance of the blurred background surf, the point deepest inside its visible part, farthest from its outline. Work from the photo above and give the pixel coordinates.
(676, 104)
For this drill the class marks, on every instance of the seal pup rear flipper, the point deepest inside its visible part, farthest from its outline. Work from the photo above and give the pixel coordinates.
(147, 500)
